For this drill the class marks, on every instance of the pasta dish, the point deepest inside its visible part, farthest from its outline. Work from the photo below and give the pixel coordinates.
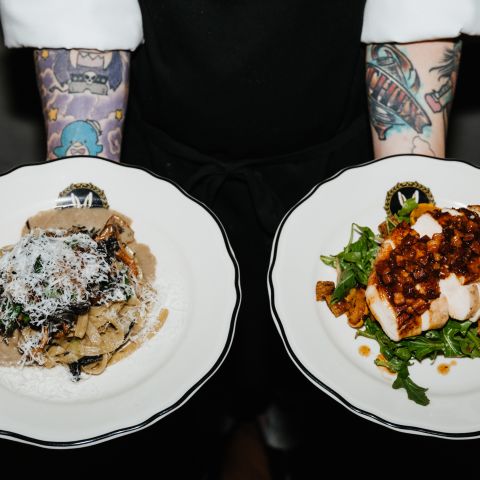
(76, 295)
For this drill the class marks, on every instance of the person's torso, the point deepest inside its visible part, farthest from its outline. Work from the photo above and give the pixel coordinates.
(249, 78)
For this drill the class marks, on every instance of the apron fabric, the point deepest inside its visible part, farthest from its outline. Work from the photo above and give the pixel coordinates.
(247, 105)
(250, 198)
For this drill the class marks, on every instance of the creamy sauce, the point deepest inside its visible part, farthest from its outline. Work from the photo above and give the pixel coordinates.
(9, 354)
(89, 218)
(68, 217)
(364, 350)
(145, 259)
(92, 218)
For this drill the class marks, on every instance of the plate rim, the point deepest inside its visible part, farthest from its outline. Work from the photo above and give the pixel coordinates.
(278, 322)
(8, 435)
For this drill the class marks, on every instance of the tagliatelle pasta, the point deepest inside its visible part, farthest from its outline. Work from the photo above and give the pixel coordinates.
(74, 292)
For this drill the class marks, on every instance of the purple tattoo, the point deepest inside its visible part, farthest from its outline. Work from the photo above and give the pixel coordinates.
(83, 91)
(81, 70)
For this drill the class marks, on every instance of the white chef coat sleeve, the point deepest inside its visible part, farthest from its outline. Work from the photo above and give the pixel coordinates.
(405, 21)
(96, 24)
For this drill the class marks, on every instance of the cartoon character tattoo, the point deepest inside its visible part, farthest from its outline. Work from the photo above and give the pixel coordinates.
(88, 86)
(440, 100)
(79, 138)
(392, 85)
(80, 70)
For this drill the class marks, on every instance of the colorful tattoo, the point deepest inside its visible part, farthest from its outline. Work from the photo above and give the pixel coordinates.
(84, 96)
(441, 99)
(392, 87)
(79, 138)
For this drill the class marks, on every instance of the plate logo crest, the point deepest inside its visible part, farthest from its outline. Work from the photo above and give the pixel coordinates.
(82, 195)
(402, 191)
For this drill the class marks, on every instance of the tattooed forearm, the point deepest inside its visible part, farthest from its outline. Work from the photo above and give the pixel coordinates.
(410, 88)
(84, 95)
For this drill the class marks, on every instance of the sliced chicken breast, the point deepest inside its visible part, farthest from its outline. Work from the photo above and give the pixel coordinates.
(463, 300)
(427, 273)
(384, 311)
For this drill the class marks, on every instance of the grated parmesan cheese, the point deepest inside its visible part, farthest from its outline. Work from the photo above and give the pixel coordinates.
(48, 271)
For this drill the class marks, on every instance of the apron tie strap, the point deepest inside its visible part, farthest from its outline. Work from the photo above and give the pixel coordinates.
(212, 173)
(209, 179)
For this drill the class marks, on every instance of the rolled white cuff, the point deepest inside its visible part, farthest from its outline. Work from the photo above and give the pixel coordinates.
(405, 21)
(97, 24)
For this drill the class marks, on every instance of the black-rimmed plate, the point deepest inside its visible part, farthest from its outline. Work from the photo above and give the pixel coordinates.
(197, 280)
(323, 347)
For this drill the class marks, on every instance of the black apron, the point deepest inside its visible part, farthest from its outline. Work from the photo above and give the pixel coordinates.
(247, 104)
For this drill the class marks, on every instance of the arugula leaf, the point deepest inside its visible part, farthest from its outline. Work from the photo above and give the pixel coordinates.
(451, 346)
(394, 365)
(404, 353)
(329, 260)
(473, 337)
(422, 347)
(354, 263)
(455, 339)
(345, 283)
(464, 327)
(352, 257)
(403, 380)
(414, 391)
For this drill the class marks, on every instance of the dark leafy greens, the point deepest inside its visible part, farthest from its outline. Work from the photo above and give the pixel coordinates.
(354, 263)
(455, 339)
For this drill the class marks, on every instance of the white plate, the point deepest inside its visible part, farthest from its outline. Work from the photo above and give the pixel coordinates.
(324, 348)
(197, 279)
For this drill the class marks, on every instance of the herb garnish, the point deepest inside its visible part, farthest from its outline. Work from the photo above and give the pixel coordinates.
(403, 215)
(355, 262)
(37, 267)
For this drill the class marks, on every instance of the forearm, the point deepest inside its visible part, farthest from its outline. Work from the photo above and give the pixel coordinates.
(410, 90)
(84, 95)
